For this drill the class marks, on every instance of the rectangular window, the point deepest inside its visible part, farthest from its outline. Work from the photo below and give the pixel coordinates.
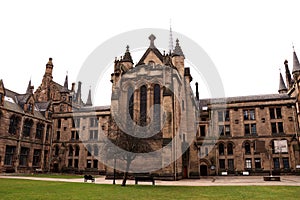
(249, 114)
(227, 130)
(202, 131)
(275, 113)
(57, 135)
(59, 123)
(70, 162)
(278, 113)
(280, 127)
(75, 163)
(276, 163)
(248, 163)
(222, 163)
(93, 135)
(230, 164)
(88, 164)
(273, 126)
(24, 156)
(95, 164)
(285, 162)
(74, 135)
(250, 129)
(93, 122)
(9, 154)
(77, 123)
(223, 116)
(221, 130)
(257, 163)
(36, 157)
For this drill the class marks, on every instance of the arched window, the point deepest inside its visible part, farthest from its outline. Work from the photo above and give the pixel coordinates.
(13, 124)
(130, 99)
(156, 106)
(221, 149)
(27, 127)
(77, 149)
(96, 150)
(143, 105)
(247, 148)
(89, 150)
(229, 149)
(39, 130)
(70, 150)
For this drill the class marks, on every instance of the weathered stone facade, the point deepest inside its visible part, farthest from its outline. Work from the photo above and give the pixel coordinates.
(53, 130)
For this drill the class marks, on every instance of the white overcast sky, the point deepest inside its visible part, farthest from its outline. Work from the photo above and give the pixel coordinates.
(247, 40)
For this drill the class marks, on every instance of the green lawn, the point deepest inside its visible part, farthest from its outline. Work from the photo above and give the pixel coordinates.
(30, 189)
(65, 176)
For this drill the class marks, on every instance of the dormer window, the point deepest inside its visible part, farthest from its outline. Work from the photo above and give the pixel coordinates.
(30, 107)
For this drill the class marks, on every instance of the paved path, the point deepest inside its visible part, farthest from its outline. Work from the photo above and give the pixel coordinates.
(210, 181)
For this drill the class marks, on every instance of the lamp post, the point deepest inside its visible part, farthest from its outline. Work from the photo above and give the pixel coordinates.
(114, 180)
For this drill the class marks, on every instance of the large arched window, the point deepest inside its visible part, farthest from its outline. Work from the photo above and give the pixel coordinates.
(247, 148)
(13, 124)
(77, 149)
(70, 150)
(130, 99)
(27, 127)
(229, 149)
(221, 149)
(143, 105)
(156, 101)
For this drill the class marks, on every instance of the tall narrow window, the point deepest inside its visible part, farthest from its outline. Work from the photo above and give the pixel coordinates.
(247, 148)
(221, 149)
(77, 149)
(229, 149)
(23, 156)
(143, 105)
(9, 154)
(130, 99)
(36, 157)
(39, 130)
(157, 106)
(27, 127)
(13, 124)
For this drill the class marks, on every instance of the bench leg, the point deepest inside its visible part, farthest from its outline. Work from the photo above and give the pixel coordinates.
(136, 182)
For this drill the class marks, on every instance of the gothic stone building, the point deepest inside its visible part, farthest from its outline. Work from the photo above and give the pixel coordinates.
(52, 129)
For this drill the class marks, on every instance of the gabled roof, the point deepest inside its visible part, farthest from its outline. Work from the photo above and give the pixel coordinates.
(155, 51)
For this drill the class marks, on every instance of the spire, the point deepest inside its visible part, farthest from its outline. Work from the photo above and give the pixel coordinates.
(127, 56)
(65, 87)
(28, 87)
(152, 38)
(296, 65)
(288, 77)
(177, 50)
(171, 47)
(89, 99)
(282, 87)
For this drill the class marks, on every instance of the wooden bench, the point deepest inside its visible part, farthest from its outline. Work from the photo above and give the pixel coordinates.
(144, 179)
(89, 177)
(38, 170)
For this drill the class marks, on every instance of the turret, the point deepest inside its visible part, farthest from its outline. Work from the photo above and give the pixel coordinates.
(30, 88)
(178, 58)
(126, 62)
(49, 68)
(64, 91)
(296, 66)
(282, 88)
(288, 77)
(89, 99)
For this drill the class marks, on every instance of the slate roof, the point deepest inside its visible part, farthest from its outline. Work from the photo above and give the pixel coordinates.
(254, 98)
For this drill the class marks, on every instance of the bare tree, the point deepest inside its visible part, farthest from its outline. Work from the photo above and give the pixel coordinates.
(125, 147)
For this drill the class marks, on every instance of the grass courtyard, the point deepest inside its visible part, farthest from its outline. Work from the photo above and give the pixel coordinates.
(30, 189)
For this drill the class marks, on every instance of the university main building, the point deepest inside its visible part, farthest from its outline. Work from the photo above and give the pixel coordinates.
(52, 130)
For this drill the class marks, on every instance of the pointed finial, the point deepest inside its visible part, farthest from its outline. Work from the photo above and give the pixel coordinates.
(152, 38)
(89, 99)
(127, 48)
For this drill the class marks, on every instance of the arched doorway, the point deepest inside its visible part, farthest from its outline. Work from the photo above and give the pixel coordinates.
(203, 170)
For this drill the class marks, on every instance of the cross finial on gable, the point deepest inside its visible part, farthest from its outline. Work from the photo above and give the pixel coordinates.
(152, 38)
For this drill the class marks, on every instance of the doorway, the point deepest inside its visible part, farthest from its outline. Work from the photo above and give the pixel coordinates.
(203, 170)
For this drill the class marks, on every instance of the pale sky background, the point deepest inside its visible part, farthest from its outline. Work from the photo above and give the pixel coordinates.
(247, 40)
